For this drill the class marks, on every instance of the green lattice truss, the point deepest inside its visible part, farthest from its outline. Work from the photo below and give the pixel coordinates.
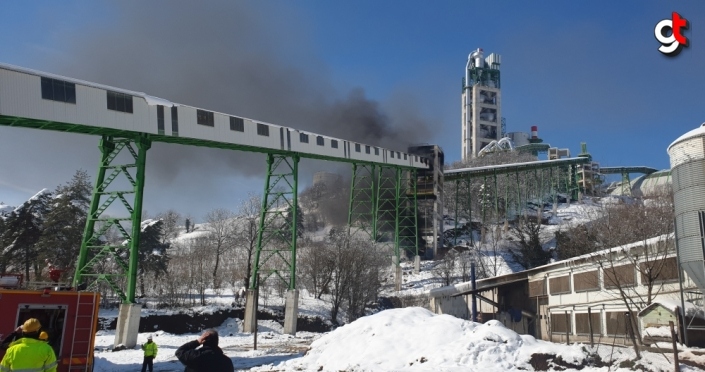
(383, 207)
(276, 239)
(96, 252)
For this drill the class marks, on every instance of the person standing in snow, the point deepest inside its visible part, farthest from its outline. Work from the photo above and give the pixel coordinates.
(150, 352)
(206, 358)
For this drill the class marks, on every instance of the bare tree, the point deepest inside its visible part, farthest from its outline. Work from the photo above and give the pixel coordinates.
(489, 258)
(446, 266)
(196, 266)
(356, 271)
(632, 239)
(171, 222)
(221, 225)
(528, 250)
(246, 236)
(315, 265)
(366, 269)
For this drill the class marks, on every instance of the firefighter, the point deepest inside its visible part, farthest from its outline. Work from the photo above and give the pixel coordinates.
(150, 352)
(29, 353)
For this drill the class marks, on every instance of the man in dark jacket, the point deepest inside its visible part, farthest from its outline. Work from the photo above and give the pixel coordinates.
(209, 357)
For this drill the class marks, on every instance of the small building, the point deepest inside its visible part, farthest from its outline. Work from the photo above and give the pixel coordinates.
(574, 299)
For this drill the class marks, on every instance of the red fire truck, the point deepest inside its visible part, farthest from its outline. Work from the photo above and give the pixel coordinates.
(69, 317)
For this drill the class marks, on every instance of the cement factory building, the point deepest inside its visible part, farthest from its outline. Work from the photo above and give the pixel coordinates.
(481, 101)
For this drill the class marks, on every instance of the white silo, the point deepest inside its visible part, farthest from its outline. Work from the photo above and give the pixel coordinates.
(687, 155)
(519, 138)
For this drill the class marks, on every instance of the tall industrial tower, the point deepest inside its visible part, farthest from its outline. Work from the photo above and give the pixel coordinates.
(481, 100)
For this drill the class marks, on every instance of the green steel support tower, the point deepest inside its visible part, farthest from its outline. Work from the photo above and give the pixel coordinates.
(406, 228)
(385, 213)
(361, 214)
(94, 250)
(276, 238)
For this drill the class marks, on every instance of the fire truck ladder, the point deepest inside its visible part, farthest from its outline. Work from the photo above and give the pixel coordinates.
(83, 327)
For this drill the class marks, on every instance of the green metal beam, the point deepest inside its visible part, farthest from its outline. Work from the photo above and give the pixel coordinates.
(453, 174)
(86, 129)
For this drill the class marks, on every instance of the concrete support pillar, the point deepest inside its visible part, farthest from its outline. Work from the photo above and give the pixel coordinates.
(539, 216)
(291, 311)
(417, 264)
(555, 208)
(397, 278)
(396, 269)
(128, 325)
(249, 324)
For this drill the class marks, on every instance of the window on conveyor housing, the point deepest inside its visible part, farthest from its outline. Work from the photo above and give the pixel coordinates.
(57, 90)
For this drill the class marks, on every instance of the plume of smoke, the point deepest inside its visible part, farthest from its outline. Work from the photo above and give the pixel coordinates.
(229, 57)
(251, 59)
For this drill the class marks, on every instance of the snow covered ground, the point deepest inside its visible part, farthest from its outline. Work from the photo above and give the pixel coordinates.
(409, 339)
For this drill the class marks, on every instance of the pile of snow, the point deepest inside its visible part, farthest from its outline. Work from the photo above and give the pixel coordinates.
(412, 339)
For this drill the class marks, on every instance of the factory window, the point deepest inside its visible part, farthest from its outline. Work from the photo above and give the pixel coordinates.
(119, 102)
(303, 137)
(160, 119)
(357, 147)
(559, 285)
(262, 130)
(616, 322)
(587, 281)
(320, 141)
(398, 155)
(367, 149)
(416, 158)
(659, 270)
(561, 323)
(404, 156)
(237, 124)
(57, 90)
(376, 150)
(204, 117)
(391, 154)
(619, 276)
(334, 144)
(537, 288)
(174, 121)
(582, 323)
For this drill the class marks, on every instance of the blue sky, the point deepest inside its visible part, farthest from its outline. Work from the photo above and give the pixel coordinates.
(582, 71)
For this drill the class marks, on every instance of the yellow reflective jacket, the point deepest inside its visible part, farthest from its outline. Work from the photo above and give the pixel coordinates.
(28, 354)
(150, 349)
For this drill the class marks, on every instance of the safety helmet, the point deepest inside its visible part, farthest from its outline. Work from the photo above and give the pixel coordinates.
(31, 325)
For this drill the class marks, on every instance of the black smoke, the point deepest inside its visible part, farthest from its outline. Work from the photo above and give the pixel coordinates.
(242, 58)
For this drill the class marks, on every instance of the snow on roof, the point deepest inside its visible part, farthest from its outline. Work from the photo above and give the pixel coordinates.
(697, 132)
(673, 304)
